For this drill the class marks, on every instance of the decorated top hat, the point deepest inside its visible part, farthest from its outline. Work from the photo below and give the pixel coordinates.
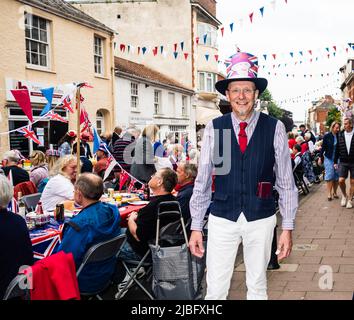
(241, 66)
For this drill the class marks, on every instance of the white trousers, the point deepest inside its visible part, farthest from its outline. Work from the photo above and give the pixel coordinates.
(224, 237)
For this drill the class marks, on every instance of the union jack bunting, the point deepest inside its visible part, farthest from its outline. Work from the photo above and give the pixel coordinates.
(66, 104)
(56, 117)
(29, 133)
(111, 163)
(123, 178)
(132, 187)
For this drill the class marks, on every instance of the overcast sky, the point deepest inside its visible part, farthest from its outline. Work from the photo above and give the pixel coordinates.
(300, 25)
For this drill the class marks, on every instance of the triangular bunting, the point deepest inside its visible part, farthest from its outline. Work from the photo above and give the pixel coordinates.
(261, 10)
(48, 94)
(22, 97)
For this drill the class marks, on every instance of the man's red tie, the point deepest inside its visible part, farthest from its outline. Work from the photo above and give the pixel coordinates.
(242, 137)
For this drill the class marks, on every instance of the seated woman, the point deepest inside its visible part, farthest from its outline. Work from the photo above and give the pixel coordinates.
(15, 243)
(61, 186)
(39, 169)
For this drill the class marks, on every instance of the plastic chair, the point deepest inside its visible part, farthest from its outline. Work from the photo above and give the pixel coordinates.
(26, 188)
(15, 291)
(100, 252)
(31, 201)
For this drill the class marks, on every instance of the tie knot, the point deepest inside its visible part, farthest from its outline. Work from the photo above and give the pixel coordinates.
(243, 125)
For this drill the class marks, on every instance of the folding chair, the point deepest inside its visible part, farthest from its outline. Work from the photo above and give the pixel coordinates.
(166, 234)
(100, 252)
(31, 201)
(15, 291)
(145, 262)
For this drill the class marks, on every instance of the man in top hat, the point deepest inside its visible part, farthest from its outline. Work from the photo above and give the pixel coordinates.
(248, 151)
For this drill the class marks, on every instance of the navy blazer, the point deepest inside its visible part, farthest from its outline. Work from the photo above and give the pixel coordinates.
(327, 149)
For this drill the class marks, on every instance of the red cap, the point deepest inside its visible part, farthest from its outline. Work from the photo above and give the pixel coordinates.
(71, 133)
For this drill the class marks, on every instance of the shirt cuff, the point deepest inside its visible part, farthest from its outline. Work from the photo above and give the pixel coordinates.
(197, 225)
(288, 224)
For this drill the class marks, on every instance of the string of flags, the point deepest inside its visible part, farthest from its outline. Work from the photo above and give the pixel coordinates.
(22, 97)
(179, 46)
(271, 60)
(304, 96)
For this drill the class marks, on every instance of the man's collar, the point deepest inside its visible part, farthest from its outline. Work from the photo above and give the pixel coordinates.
(249, 120)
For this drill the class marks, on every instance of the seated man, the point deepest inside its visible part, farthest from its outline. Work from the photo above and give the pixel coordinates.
(102, 163)
(95, 223)
(186, 174)
(10, 163)
(15, 243)
(142, 227)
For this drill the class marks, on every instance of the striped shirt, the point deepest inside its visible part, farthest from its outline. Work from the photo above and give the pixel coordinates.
(284, 184)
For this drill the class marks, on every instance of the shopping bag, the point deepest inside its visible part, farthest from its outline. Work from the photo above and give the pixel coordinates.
(177, 274)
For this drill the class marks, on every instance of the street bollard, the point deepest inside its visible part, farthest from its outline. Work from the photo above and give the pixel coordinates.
(273, 263)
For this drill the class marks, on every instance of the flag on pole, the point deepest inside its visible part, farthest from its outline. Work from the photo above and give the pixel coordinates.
(96, 140)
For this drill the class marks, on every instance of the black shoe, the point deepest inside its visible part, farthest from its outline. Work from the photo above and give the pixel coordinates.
(273, 266)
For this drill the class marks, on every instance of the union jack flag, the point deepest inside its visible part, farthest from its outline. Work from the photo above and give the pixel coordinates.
(12, 206)
(132, 186)
(66, 104)
(29, 133)
(111, 163)
(84, 84)
(123, 178)
(56, 117)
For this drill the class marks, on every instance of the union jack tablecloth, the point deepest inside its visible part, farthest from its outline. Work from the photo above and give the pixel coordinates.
(46, 239)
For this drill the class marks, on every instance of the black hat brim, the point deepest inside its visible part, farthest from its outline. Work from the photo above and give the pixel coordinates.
(261, 84)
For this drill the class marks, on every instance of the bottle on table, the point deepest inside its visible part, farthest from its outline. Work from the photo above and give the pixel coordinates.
(39, 208)
(21, 205)
(147, 193)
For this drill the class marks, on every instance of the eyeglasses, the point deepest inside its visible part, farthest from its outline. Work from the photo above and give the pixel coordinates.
(246, 92)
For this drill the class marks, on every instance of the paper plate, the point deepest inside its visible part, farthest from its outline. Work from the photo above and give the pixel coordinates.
(138, 203)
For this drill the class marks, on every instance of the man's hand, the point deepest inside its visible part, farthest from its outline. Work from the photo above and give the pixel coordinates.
(196, 244)
(133, 216)
(335, 166)
(284, 245)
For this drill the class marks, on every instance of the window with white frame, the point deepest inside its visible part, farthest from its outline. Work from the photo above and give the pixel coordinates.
(37, 40)
(100, 125)
(157, 102)
(210, 32)
(172, 103)
(134, 95)
(207, 81)
(184, 105)
(98, 55)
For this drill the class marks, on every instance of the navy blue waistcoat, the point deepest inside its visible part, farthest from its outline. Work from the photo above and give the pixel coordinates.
(236, 190)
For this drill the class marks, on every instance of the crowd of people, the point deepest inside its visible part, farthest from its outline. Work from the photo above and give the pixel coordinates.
(164, 167)
(228, 178)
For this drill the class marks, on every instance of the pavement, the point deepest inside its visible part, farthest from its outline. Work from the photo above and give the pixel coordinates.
(321, 265)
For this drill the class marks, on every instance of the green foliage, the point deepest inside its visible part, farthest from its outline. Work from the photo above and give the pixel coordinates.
(272, 107)
(266, 96)
(333, 115)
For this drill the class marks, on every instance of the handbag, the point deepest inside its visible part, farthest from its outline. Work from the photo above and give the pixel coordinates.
(177, 274)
